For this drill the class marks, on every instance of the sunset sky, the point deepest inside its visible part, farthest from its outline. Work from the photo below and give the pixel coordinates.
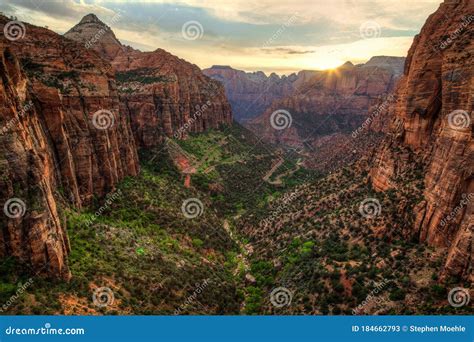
(269, 35)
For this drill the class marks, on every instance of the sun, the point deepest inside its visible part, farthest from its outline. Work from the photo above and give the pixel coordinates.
(327, 64)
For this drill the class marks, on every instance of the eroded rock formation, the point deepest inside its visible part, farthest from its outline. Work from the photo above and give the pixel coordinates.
(250, 93)
(329, 102)
(433, 117)
(163, 94)
(72, 143)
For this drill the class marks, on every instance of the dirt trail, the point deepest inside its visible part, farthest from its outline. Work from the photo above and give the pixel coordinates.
(278, 179)
(272, 170)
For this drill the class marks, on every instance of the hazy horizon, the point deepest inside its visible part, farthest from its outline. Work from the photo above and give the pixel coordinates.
(271, 36)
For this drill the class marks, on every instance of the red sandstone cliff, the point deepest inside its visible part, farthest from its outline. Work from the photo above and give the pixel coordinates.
(163, 94)
(330, 102)
(433, 117)
(31, 228)
(57, 143)
(250, 93)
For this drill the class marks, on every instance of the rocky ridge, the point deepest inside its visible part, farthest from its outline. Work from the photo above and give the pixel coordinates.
(71, 132)
(433, 118)
(163, 94)
(329, 102)
(250, 93)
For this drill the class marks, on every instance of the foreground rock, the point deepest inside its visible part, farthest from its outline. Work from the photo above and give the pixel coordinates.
(433, 119)
(64, 138)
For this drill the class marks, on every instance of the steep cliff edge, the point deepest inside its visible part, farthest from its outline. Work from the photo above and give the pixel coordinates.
(72, 142)
(31, 228)
(433, 117)
(163, 94)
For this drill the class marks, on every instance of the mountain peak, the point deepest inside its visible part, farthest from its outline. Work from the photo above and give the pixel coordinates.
(226, 67)
(95, 34)
(90, 18)
(348, 64)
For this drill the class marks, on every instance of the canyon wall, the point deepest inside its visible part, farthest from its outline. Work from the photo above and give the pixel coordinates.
(329, 102)
(64, 138)
(163, 94)
(250, 93)
(433, 117)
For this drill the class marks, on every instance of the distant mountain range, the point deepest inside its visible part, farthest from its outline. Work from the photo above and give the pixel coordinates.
(251, 93)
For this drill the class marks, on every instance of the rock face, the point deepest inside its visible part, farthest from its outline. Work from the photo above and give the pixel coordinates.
(30, 223)
(73, 143)
(163, 94)
(329, 102)
(250, 93)
(100, 37)
(433, 117)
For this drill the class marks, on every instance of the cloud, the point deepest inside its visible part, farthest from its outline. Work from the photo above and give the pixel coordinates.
(289, 51)
(275, 34)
